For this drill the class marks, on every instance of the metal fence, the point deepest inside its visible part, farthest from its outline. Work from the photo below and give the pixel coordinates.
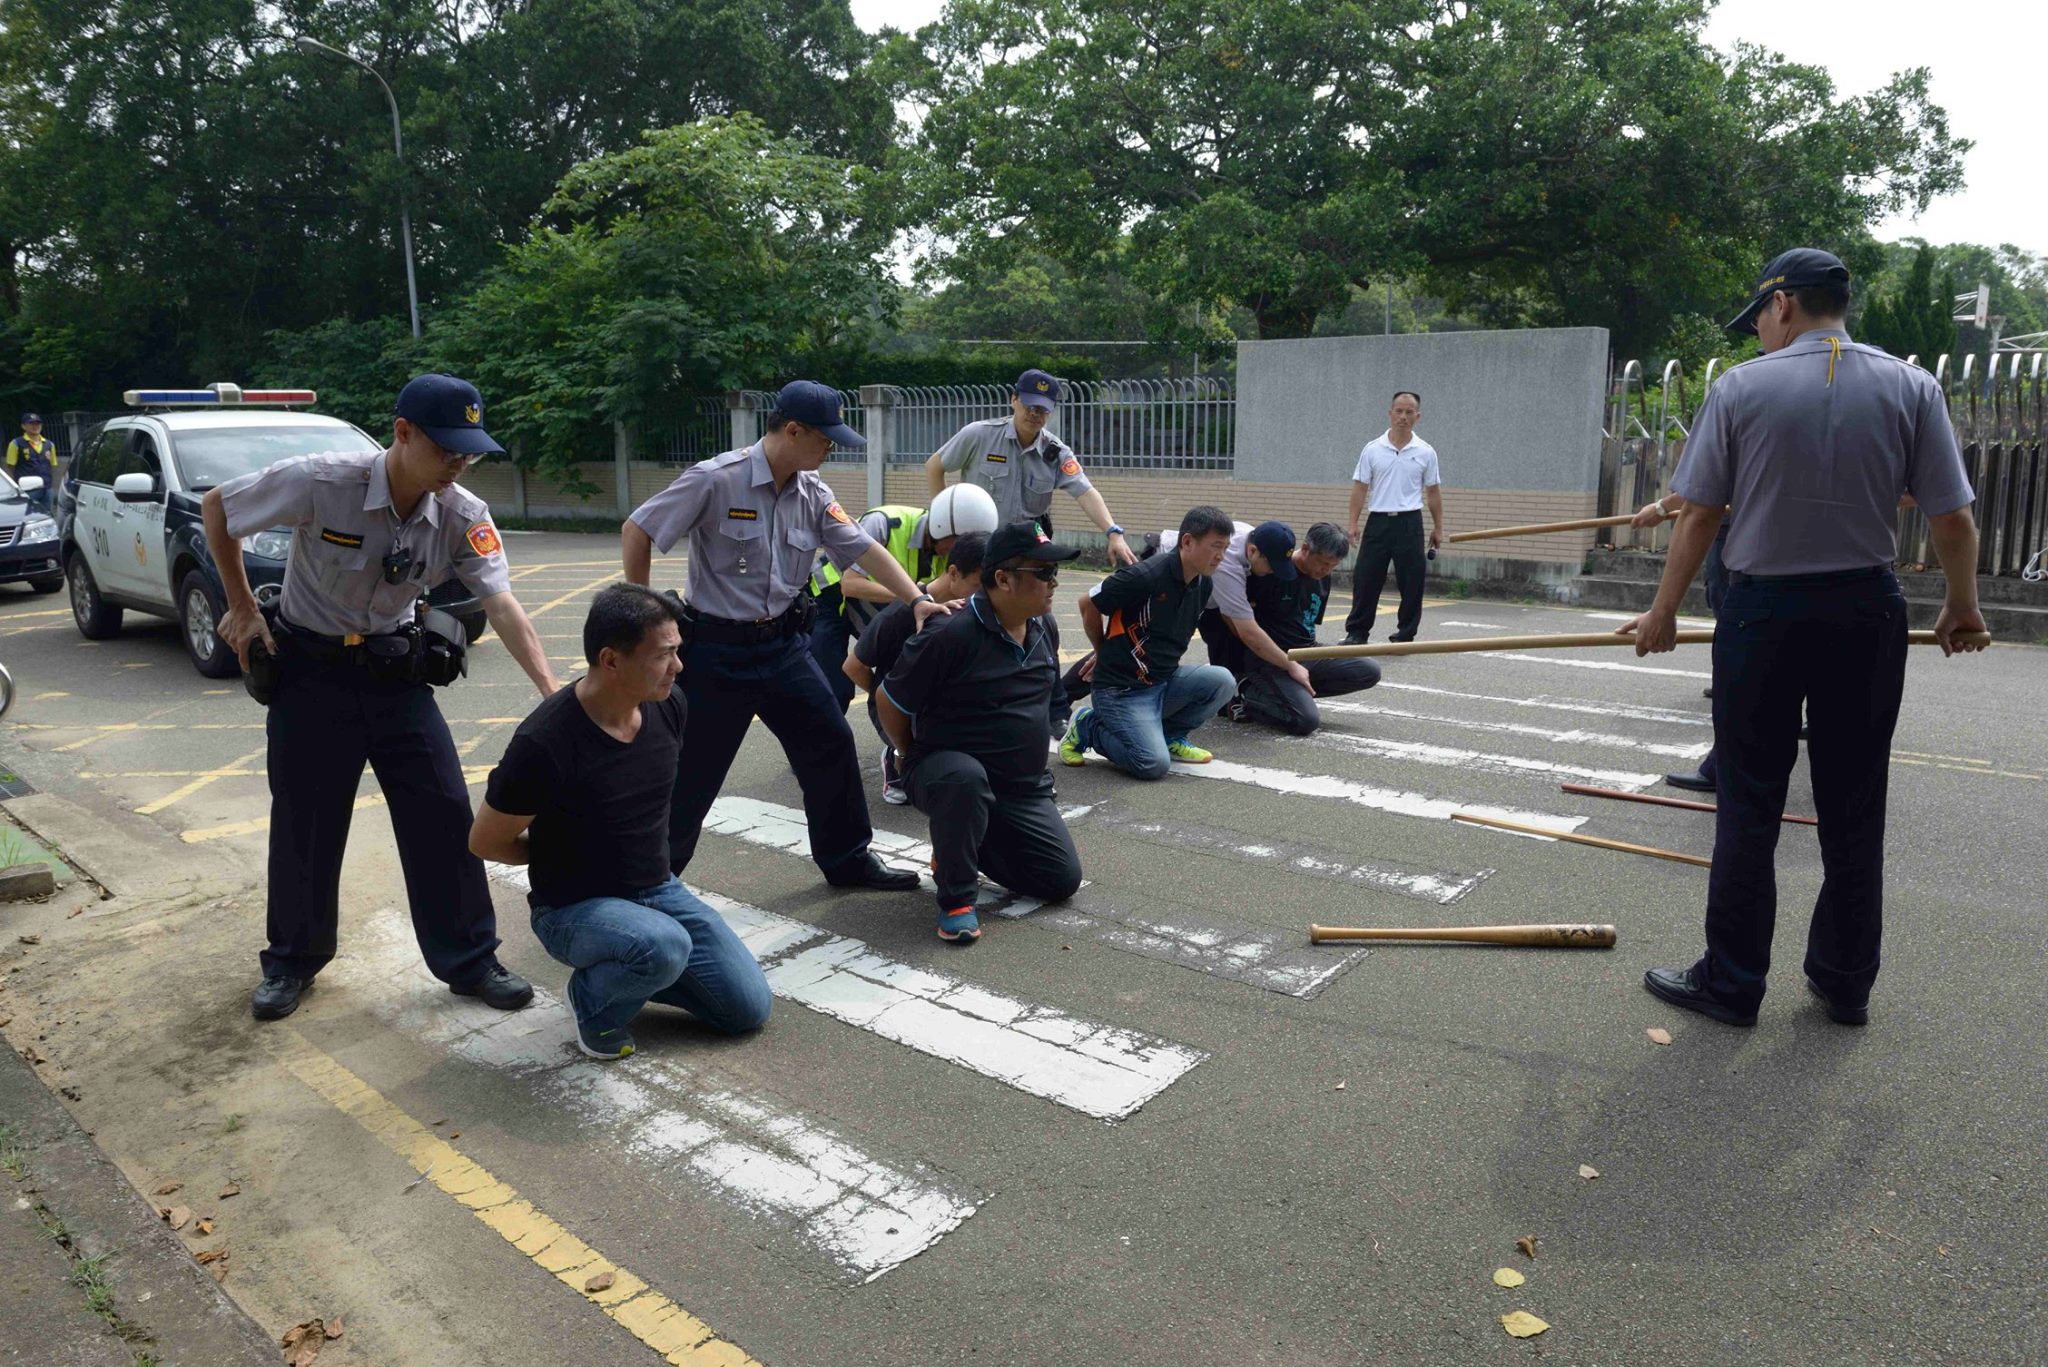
(2000, 415)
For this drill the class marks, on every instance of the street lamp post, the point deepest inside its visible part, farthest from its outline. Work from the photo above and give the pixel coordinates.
(412, 296)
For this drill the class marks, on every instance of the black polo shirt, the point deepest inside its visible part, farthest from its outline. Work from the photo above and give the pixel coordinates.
(967, 686)
(1289, 612)
(1149, 612)
(881, 640)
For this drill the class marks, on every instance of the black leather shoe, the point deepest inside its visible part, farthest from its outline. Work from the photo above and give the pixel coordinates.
(1837, 1012)
(275, 998)
(496, 986)
(1707, 692)
(873, 873)
(1695, 782)
(1397, 640)
(1679, 987)
(1354, 639)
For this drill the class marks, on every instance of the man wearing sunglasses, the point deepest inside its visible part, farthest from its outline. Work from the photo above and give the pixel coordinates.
(371, 533)
(968, 702)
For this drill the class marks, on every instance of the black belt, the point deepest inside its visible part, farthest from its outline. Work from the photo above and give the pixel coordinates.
(1405, 512)
(1809, 581)
(728, 631)
(314, 645)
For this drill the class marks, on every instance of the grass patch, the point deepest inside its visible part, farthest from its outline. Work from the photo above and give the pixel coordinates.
(13, 1159)
(14, 849)
(232, 1123)
(1458, 588)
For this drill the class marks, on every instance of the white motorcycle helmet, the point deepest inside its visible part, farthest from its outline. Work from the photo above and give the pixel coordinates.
(958, 509)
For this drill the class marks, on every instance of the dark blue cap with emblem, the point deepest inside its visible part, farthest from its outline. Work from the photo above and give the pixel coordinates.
(1038, 389)
(450, 412)
(1794, 270)
(28, 418)
(820, 406)
(1275, 541)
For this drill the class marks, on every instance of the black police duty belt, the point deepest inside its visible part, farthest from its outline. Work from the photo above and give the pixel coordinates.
(433, 651)
(795, 621)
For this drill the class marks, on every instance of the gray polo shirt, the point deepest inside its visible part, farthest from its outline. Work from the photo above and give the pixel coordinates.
(1811, 447)
(1020, 478)
(339, 509)
(751, 545)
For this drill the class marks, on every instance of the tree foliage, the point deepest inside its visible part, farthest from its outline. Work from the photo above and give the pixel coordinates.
(1916, 317)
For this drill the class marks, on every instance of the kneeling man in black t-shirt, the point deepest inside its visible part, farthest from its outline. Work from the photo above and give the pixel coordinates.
(968, 702)
(582, 799)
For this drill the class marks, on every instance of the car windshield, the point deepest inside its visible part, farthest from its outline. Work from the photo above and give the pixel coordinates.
(215, 455)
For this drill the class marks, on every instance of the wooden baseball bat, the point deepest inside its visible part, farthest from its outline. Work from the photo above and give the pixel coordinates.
(1568, 640)
(1540, 528)
(1658, 801)
(1545, 937)
(1592, 840)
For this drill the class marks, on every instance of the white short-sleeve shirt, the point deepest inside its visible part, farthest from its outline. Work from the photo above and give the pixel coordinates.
(1397, 475)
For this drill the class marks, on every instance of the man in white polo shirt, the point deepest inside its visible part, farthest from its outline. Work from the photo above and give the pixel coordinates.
(1397, 474)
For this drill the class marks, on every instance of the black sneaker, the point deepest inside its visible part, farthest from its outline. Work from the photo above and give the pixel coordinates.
(277, 997)
(496, 986)
(1354, 639)
(1235, 710)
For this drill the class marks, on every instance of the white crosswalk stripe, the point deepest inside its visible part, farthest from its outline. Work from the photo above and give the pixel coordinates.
(1544, 701)
(1473, 761)
(1567, 661)
(1577, 736)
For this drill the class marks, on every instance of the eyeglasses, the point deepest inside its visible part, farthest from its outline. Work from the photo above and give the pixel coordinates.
(458, 460)
(1049, 573)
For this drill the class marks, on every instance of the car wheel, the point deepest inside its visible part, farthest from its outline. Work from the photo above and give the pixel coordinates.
(96, 620)
(50, 585)
(198, 621)
(474, 625)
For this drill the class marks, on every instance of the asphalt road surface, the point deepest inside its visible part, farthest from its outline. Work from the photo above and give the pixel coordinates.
(1153, 1126)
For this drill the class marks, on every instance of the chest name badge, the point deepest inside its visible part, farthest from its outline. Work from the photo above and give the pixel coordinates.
(994, 459)
(334, 538)
(743, 514)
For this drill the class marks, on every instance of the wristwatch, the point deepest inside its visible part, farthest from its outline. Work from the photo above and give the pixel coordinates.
(1114, 530)
(923, 598)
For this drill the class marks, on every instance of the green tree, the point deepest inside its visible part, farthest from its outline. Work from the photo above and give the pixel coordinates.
(1532, 161)
(1915, 318)
(704, 259)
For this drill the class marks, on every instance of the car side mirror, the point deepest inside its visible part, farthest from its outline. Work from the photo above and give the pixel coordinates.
(135, 487)
(30, 484)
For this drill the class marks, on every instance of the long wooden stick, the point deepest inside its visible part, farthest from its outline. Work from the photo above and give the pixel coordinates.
(1593, 840)
(1540, 528)
(1542, 937)
(1571, 640)
(1656, 800)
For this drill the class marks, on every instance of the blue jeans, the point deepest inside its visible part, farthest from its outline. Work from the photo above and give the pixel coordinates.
(1133, 726)
(660, 945)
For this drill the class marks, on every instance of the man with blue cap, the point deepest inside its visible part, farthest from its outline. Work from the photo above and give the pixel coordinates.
(1807, 451)
(372, 532)
(32, 453)
(756, 519)
(1020, 464)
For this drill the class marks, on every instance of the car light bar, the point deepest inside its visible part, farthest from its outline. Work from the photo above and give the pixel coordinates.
(216, 395)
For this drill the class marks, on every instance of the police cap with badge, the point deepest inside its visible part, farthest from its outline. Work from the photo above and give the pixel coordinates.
(1801, 268)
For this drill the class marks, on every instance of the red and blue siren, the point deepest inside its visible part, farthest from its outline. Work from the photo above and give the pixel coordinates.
(217, 395)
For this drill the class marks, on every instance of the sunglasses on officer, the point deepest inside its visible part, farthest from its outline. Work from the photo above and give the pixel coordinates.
(1048, 573)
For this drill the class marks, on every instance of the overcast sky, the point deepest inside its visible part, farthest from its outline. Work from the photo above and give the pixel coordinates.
(1986, 61)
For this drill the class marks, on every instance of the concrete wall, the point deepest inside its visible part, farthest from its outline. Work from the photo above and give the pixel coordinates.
(1505, 410)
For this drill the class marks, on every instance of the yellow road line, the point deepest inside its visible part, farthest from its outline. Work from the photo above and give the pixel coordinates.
(575, 593)
(472, 774)
(1953, 759)
(46, 612)
(173, 773)
(101, 733)
(1968, 769)
(177, 795)
(648, 1315)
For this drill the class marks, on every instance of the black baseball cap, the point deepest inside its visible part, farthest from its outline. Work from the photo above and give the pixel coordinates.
(1275, 541)
(820, 406)
(450, 412)
(1023, 540)
(1793, 270)
(1038, 389)
(28, 418)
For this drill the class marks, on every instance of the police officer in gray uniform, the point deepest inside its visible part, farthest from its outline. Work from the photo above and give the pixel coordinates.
(756, 519)
(370, 535)
(1020, 464)
(1808, 449)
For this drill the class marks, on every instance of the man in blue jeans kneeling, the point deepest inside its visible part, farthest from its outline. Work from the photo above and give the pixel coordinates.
(582, 799)
(1140, 620)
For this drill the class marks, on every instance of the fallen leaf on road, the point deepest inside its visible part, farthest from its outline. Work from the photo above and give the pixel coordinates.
(177, 1217)
(209, 1255)
(29, 1053)
(204, 1227)
(167, 1188)
(303, 1342)
(6, 1021)
(231, 1189)
(334, 1328)
(30, 939)
(1341, 1086)
(601, 1282)
(1658, 1035)
(1527, 1243)
(1588, 1171)
(219, 1271)
(455, 1134)
(1522, 1324)
(1507, 1276)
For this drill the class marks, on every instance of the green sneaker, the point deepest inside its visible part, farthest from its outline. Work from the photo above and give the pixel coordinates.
(1188, 754)
(1071, 749)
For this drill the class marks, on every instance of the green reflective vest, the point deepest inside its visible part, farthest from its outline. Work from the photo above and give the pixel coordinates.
(905, 544)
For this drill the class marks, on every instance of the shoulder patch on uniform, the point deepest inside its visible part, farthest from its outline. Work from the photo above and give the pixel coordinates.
(743, 514)
(1070, 466)
(838, 512)
(483, 539)
(334, 538)
(995, 459)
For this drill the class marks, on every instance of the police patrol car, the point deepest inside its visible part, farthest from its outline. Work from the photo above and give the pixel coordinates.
(128, 522)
